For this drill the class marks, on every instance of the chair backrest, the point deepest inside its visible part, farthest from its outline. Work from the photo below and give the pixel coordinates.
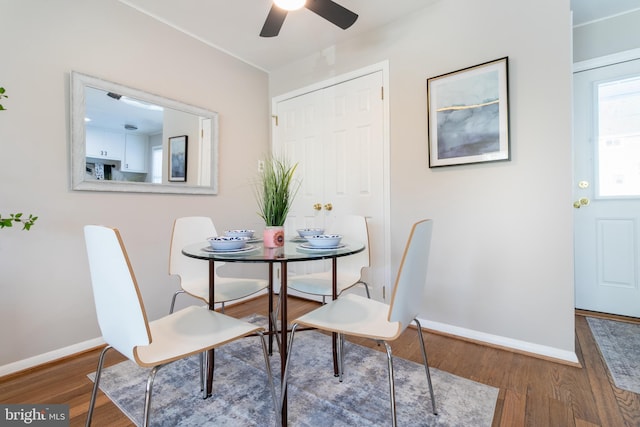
(353, 228)
(188, 230)
(408, 294)
(121, 314)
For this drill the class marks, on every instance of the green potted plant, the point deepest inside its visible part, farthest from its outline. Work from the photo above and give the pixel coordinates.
(12, 218)
(2, 95)
(275, 191)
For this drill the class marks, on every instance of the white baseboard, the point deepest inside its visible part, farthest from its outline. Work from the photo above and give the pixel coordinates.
(481, 337)
(499, 341)
(60, 353)
(522, 346)
(40, 359)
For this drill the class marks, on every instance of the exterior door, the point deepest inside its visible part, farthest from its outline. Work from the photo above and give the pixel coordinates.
(607, 188)
(336, 136)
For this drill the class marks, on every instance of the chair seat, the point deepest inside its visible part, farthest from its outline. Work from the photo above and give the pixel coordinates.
(320, 283)
(353, 315)
(189, 331)
(227, 288)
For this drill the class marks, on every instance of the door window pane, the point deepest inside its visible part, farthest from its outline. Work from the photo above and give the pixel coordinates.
(156, 165)
(619, 137)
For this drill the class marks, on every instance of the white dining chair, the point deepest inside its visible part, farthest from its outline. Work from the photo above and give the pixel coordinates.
(194, 273)
(352, 228)
(124, 325)
(363, 317)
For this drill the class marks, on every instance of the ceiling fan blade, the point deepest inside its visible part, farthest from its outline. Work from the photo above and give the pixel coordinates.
(332, 12)
(274, 22)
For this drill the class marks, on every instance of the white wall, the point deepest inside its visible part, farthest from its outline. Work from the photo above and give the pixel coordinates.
(45, 297)
(502, 255)
(502, 250)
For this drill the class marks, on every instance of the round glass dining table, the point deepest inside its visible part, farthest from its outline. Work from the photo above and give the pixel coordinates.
(294, 250)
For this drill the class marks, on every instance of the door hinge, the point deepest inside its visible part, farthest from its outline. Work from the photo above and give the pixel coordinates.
(384, 293)
(382, 93)
(275, 117)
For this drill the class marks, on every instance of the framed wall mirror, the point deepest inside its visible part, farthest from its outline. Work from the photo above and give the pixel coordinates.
(120, 140)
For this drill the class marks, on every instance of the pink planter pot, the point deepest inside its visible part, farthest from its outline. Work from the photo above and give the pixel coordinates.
(273, 237)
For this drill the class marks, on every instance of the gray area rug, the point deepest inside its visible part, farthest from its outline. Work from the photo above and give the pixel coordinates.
(619, 344)
(316, 398)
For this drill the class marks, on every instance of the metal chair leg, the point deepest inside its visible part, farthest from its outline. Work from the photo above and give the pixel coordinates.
(392, 388)
(366, 288)
(283, 386)
(265, 351)
(340, 356)
(96, 383)
(173, 300)
(274, 321)
(426, 366)
(147, 395)
(201, 357)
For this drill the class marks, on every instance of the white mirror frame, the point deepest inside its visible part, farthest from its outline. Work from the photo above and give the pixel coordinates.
(78, 136)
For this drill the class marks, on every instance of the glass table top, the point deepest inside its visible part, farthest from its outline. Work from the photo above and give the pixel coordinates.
(254, 251)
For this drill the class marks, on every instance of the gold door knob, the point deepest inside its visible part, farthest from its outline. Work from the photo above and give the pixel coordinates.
(317, 206)
(328, 206)
(583, 201)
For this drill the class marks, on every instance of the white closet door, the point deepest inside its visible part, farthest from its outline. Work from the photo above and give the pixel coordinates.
(336, 135)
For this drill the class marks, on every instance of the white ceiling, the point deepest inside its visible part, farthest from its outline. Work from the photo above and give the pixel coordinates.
(233, 26)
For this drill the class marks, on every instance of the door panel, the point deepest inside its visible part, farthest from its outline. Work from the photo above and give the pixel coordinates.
(617, 250)
(607, 188)
(336, 136)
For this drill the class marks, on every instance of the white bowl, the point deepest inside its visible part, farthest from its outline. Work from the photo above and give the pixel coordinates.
(324, 240)
(239, 233)
(227, 243)
(305, 232)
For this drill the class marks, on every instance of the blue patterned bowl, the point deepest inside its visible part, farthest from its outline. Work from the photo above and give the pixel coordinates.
(239, 233)
(306, 232)
(324, 240)
(227, 243)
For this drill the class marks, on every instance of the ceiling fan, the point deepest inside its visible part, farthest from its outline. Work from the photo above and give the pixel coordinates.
(328, 9)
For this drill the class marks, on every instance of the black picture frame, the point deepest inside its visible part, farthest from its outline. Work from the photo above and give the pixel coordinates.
(178, 158)
(468, 115)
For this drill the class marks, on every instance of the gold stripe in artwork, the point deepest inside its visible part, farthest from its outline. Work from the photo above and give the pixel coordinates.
(466, 107)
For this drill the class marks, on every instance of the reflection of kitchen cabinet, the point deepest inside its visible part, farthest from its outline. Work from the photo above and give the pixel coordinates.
(135, 153)
(102, 144)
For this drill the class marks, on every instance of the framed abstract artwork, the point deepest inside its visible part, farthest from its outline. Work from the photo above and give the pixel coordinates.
(468, 115)
(178, 158)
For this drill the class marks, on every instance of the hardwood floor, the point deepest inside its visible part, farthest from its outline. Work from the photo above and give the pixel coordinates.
(533, 392)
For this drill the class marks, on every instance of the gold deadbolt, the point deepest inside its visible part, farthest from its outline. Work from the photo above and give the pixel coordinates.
(583, 184)
(583, 201)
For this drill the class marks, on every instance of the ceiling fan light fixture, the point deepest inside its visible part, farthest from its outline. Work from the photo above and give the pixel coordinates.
(290, 4)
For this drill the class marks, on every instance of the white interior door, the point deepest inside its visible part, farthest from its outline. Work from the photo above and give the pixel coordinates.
(336, 135)
(607, 188)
